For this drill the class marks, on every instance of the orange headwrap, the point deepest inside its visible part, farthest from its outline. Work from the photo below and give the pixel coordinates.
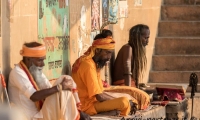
(39, 51)
(105, 43)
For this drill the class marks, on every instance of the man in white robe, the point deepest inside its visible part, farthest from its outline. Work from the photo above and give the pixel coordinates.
(31, 92)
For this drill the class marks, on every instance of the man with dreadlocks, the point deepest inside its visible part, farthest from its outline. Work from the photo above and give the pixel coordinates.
(130, 63)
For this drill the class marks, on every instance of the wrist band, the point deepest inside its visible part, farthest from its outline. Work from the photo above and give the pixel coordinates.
(74, 90)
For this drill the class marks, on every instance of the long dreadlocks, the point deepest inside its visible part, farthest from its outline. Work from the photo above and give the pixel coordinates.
(138, 52)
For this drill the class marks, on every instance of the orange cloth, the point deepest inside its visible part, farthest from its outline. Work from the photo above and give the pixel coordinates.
(106, 43)
(60, 105)
(87, 77)
(23, 67)
(89, 83)
(122, 83)
(142, 97)
(122, 104)
(39, 51)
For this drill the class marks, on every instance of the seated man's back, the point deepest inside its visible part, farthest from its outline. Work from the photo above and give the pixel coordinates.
(120, 68)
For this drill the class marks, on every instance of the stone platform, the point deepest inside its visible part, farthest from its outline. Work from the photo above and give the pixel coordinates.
(153, 112)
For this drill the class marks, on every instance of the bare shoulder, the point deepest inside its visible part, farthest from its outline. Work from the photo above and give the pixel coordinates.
(126, 47)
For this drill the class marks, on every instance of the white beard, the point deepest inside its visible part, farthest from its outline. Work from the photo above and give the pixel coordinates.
(36, 72)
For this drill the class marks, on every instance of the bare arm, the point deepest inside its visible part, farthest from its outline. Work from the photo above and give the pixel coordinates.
(67, 84)
(42, 94)
(103, 97)
(127, 65)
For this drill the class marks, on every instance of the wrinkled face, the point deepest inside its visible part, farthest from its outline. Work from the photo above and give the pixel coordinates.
(145, 37)
(104, 56)
(38, 62)
(36, 70)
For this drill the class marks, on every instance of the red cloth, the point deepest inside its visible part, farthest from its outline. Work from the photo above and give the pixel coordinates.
(171, 94)
(105, 84)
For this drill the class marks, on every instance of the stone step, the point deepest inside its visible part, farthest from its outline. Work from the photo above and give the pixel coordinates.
(181, 2)
(178, 46)
(171, 76)
(179, 29)
(176, 63)
(184, 85)
(188, 12)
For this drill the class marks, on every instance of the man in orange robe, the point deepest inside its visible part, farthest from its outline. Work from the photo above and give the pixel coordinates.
(86, 74)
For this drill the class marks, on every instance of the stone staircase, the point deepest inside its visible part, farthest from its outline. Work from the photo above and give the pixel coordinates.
(177, 51)
(177, 46)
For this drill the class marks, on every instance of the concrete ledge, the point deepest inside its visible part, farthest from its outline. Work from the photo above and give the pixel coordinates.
(196, 109)
(154, 111)
(170, 76)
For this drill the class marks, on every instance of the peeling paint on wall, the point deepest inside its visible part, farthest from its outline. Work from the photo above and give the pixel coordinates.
(80, 46)
(83, 32)
(65, 24)
(83, 18)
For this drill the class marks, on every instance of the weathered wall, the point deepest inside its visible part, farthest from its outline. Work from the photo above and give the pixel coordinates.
(79, 28)
(23, 26)
(149, 14)
(5, 41)
(196, 107)
(19, 25)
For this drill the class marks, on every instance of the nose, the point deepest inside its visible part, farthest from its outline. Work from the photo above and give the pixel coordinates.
(42, 64)
(109, 56)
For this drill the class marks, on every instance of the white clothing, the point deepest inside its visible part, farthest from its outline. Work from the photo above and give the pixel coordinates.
(20, 90)
(65, 105)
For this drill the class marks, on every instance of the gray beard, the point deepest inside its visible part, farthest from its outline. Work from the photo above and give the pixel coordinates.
(36, 72)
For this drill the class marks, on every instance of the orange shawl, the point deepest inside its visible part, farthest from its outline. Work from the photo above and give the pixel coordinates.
(105, 43)
(23, 67)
